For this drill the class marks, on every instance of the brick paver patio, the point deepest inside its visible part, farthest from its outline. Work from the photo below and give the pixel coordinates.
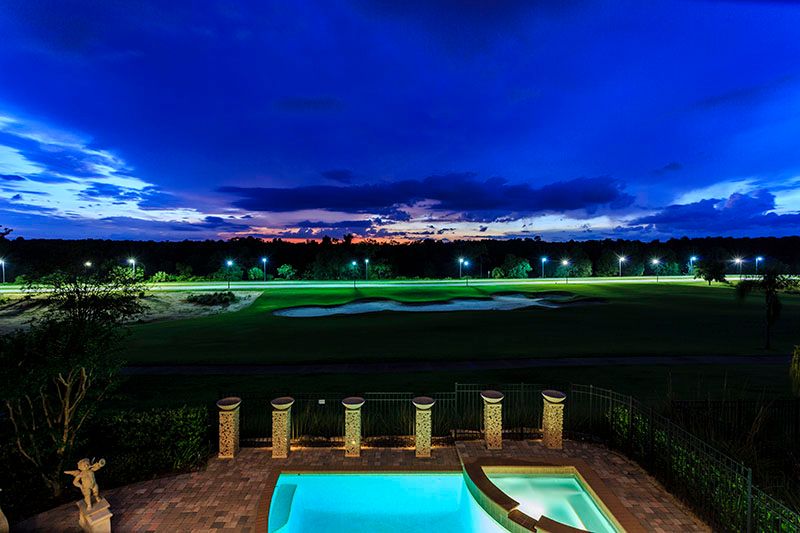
(231, 495)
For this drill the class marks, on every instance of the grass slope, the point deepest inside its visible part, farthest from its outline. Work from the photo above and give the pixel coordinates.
(638, 319)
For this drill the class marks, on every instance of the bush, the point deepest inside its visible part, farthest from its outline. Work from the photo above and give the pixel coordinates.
(287, 272)
(161, 277)
(140, 445)
(214, 298)
(255, 274)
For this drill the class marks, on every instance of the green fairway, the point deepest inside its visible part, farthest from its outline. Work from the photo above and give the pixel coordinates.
(636, 319)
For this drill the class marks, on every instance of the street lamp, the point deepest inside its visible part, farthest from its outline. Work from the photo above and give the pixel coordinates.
(366, 269)
(565, 263)
(691, 263)
(544, 260)
(622, 259)
(88, 264)
(656, 267)
(355, 272)
(758, 259)
(264, 265)
(466, 265)
(228, 264)
(3, 264)
(132, 263)
(460, 264)
(739, 262)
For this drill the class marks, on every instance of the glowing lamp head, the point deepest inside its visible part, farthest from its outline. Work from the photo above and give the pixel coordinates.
(263, 259)
(656, 261)
(461, 260)
(693, 258)
(564, 262)
(131, 261)
(229, 263)
(366, 261)
(466, 263)
(87, 264)
(622, 259)
(354, 263)
(759, 258)
(544, 259)
(738, 260)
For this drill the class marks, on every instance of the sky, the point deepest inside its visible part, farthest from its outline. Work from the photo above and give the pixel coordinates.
(444, 119)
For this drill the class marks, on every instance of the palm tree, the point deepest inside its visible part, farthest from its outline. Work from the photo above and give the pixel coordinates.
(771, 283)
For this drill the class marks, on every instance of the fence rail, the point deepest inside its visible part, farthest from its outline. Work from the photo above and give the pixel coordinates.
(716, 486)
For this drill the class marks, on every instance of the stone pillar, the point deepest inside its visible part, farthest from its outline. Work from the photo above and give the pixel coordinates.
(281, 426)
(229, 427)
(423, 426)
(493, 418)
(553, 419)
(352, 426)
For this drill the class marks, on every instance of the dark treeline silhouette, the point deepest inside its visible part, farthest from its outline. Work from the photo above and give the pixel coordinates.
(333, 259)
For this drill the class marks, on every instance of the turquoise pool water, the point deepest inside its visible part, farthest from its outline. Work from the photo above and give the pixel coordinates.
(394, 503)
(559, 497)
(379, 503)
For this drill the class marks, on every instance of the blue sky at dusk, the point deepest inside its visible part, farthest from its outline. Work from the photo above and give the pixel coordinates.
(399, 120)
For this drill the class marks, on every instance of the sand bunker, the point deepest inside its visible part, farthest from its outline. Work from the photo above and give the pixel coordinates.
(507, 302)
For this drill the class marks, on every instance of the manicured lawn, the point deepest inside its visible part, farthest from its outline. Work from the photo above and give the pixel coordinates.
(637, 319)
(653, 384)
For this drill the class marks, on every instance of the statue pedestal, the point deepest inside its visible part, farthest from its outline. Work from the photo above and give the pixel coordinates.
(97, 519)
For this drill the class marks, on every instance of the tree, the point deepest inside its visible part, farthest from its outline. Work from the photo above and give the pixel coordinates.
(710, 270)
(497, 273)
(771, 284)
(516, 267)
(255, 274)
(286, 271)
(56, 372)
(794, 371)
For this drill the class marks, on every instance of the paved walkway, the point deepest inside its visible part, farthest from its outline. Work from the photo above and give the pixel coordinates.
(231, 495)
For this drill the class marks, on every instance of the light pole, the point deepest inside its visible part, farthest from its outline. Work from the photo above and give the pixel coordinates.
(622, 259)
(691, 263)
(264, 265)
(3, 264)
(132, 263)
(544, 260)
(758, 259)
(565, 264)
(366, 269)
(656, 267)
(460, 264)
(466, 265)
(228, 265)
(355, 273)
(739, 262)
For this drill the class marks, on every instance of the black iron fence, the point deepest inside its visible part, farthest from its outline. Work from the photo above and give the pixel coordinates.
(717, 487)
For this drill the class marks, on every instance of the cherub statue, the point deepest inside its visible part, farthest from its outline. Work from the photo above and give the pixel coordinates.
(84, 479)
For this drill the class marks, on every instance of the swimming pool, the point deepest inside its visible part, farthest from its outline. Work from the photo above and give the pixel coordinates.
(560, 497)
(437, 502)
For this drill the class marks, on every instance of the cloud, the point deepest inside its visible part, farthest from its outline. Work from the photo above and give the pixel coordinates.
(11, 177)
(752, 212)
(339, 175)
(672, 166)
(458, 192)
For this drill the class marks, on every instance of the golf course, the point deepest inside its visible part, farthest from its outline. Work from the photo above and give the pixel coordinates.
(650, 339)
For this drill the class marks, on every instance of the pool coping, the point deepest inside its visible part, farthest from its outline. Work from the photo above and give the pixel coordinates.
(475, 475)
(505, 510)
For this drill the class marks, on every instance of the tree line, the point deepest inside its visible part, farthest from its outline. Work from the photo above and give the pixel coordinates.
(242, 258)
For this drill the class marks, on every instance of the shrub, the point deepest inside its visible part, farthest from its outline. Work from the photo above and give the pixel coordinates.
(161, 277)
(214, 298)
(794, 371)
(255, 274)
(140, 445)
(287, 272)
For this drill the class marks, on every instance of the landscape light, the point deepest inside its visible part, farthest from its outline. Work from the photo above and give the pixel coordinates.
(656, 262)
(132, 262)
(460, 264)
(622, 259)
(264, 263)
(229, 264)
(88, 264)
(366, 269)
(759, 258)
(565, 262)
(354, 263)
(691, 263)
(544, 260)
(739, 262)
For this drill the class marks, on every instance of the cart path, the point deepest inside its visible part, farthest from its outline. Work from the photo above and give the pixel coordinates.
(445, 366)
